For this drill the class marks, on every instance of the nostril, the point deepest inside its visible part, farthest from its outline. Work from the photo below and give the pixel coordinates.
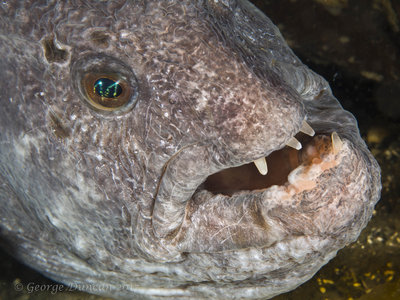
(52, 52)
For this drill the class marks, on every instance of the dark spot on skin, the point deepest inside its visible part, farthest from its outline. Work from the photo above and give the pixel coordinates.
(320, 94)
(59, 130)
(126, 215)
(100, 39)
(257, 217)
(52, 53)
(239, 236)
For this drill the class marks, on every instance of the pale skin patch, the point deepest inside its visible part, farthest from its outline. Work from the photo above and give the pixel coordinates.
(23, 146)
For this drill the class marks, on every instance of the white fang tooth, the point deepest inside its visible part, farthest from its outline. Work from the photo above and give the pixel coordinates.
(261, 165)
(336, 142)
(307, 129)
(294, 143)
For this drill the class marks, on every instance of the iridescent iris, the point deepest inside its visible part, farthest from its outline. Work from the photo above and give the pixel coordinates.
(107, 88)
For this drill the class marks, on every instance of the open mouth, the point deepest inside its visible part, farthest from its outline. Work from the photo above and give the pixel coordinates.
(305, 148)
(196, 211)
(266, 171)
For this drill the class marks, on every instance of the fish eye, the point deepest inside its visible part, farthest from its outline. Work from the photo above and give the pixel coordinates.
(106, 91)
(105, 84)
(108, 88)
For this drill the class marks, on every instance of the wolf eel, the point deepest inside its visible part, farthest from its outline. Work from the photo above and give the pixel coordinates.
(128, 135)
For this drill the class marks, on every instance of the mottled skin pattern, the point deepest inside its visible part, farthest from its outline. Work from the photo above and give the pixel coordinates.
(113, 201)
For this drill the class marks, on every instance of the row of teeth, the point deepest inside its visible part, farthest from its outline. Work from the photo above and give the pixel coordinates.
(261, 163)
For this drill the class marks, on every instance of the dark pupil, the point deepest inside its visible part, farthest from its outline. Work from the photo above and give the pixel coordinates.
(107, 88)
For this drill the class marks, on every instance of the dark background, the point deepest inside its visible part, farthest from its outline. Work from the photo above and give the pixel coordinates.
(355, 45)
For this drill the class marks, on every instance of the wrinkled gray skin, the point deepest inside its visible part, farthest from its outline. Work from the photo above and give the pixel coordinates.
(107, 202)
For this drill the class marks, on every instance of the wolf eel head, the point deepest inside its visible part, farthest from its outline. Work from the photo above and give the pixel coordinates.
(136, 137)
